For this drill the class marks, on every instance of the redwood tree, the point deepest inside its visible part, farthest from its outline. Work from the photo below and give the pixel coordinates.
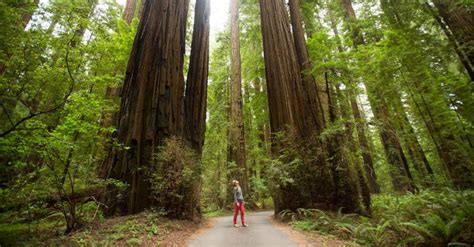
(457, 21)
(400, 173)
(196, 84)
(130, 10)
(152, 102)
(237, 135)
(291, 114)
(309, 83)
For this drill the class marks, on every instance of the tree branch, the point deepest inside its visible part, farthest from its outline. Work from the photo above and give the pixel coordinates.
(31, 114)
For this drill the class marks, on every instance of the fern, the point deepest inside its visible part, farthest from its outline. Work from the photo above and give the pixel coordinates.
(434, 230)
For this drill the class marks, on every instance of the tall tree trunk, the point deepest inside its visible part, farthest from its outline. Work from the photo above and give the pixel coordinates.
(345, 109)
(129, 11)
(400, 173)
(152, 103)
(195, 101)
(364, 145)
(401, 176)
(455, 160)
(237, 129)
(418, 154)
(309, 83)
(196, 85)
(290, 114)
(361, 125)
(282, 71)
(344, 185)
(284, 91)
(457, 22)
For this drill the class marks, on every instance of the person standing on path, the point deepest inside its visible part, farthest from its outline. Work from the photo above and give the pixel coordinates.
(239, 204)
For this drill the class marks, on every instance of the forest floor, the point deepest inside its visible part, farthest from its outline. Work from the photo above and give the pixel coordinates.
(151, 229)
(145, 229)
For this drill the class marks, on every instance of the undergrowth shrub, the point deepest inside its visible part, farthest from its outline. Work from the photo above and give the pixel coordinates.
(176, 178)
(441, 217)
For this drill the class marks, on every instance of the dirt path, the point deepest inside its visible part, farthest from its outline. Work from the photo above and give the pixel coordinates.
(261, 232)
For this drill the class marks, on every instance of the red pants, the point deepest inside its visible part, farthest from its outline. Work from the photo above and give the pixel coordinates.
(239, 206)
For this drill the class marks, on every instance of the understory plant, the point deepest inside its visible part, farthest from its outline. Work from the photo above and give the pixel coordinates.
(435, 217)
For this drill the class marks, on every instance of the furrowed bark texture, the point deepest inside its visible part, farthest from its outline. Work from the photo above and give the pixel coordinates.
(152, 101)
(290, 112)
(237, 152)
(196, 94)
(196, 86)
(309, 83)
(344, 193)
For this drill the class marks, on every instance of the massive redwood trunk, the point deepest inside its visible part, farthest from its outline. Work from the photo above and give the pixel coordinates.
(196, 84)
(286, 108)
(196, 96)
(237, 153)
(344, 187)
(152, 102)
(291, 117)
(309, 83)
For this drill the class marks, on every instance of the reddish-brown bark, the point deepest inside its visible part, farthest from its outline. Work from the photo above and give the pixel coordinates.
(152, 101)
(237, 153)
(196, 85)
(129, 11)
(309, 83)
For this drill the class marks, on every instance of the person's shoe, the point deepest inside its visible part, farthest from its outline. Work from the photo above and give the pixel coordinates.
(235, 225)
(245, 225)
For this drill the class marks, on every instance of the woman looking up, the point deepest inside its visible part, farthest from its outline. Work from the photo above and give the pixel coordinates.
(239, 204)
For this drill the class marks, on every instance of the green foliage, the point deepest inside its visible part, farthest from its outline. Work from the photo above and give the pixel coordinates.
(337, 223)
(174, 177)
(176, 167)
(56, 73)
(432, 217)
